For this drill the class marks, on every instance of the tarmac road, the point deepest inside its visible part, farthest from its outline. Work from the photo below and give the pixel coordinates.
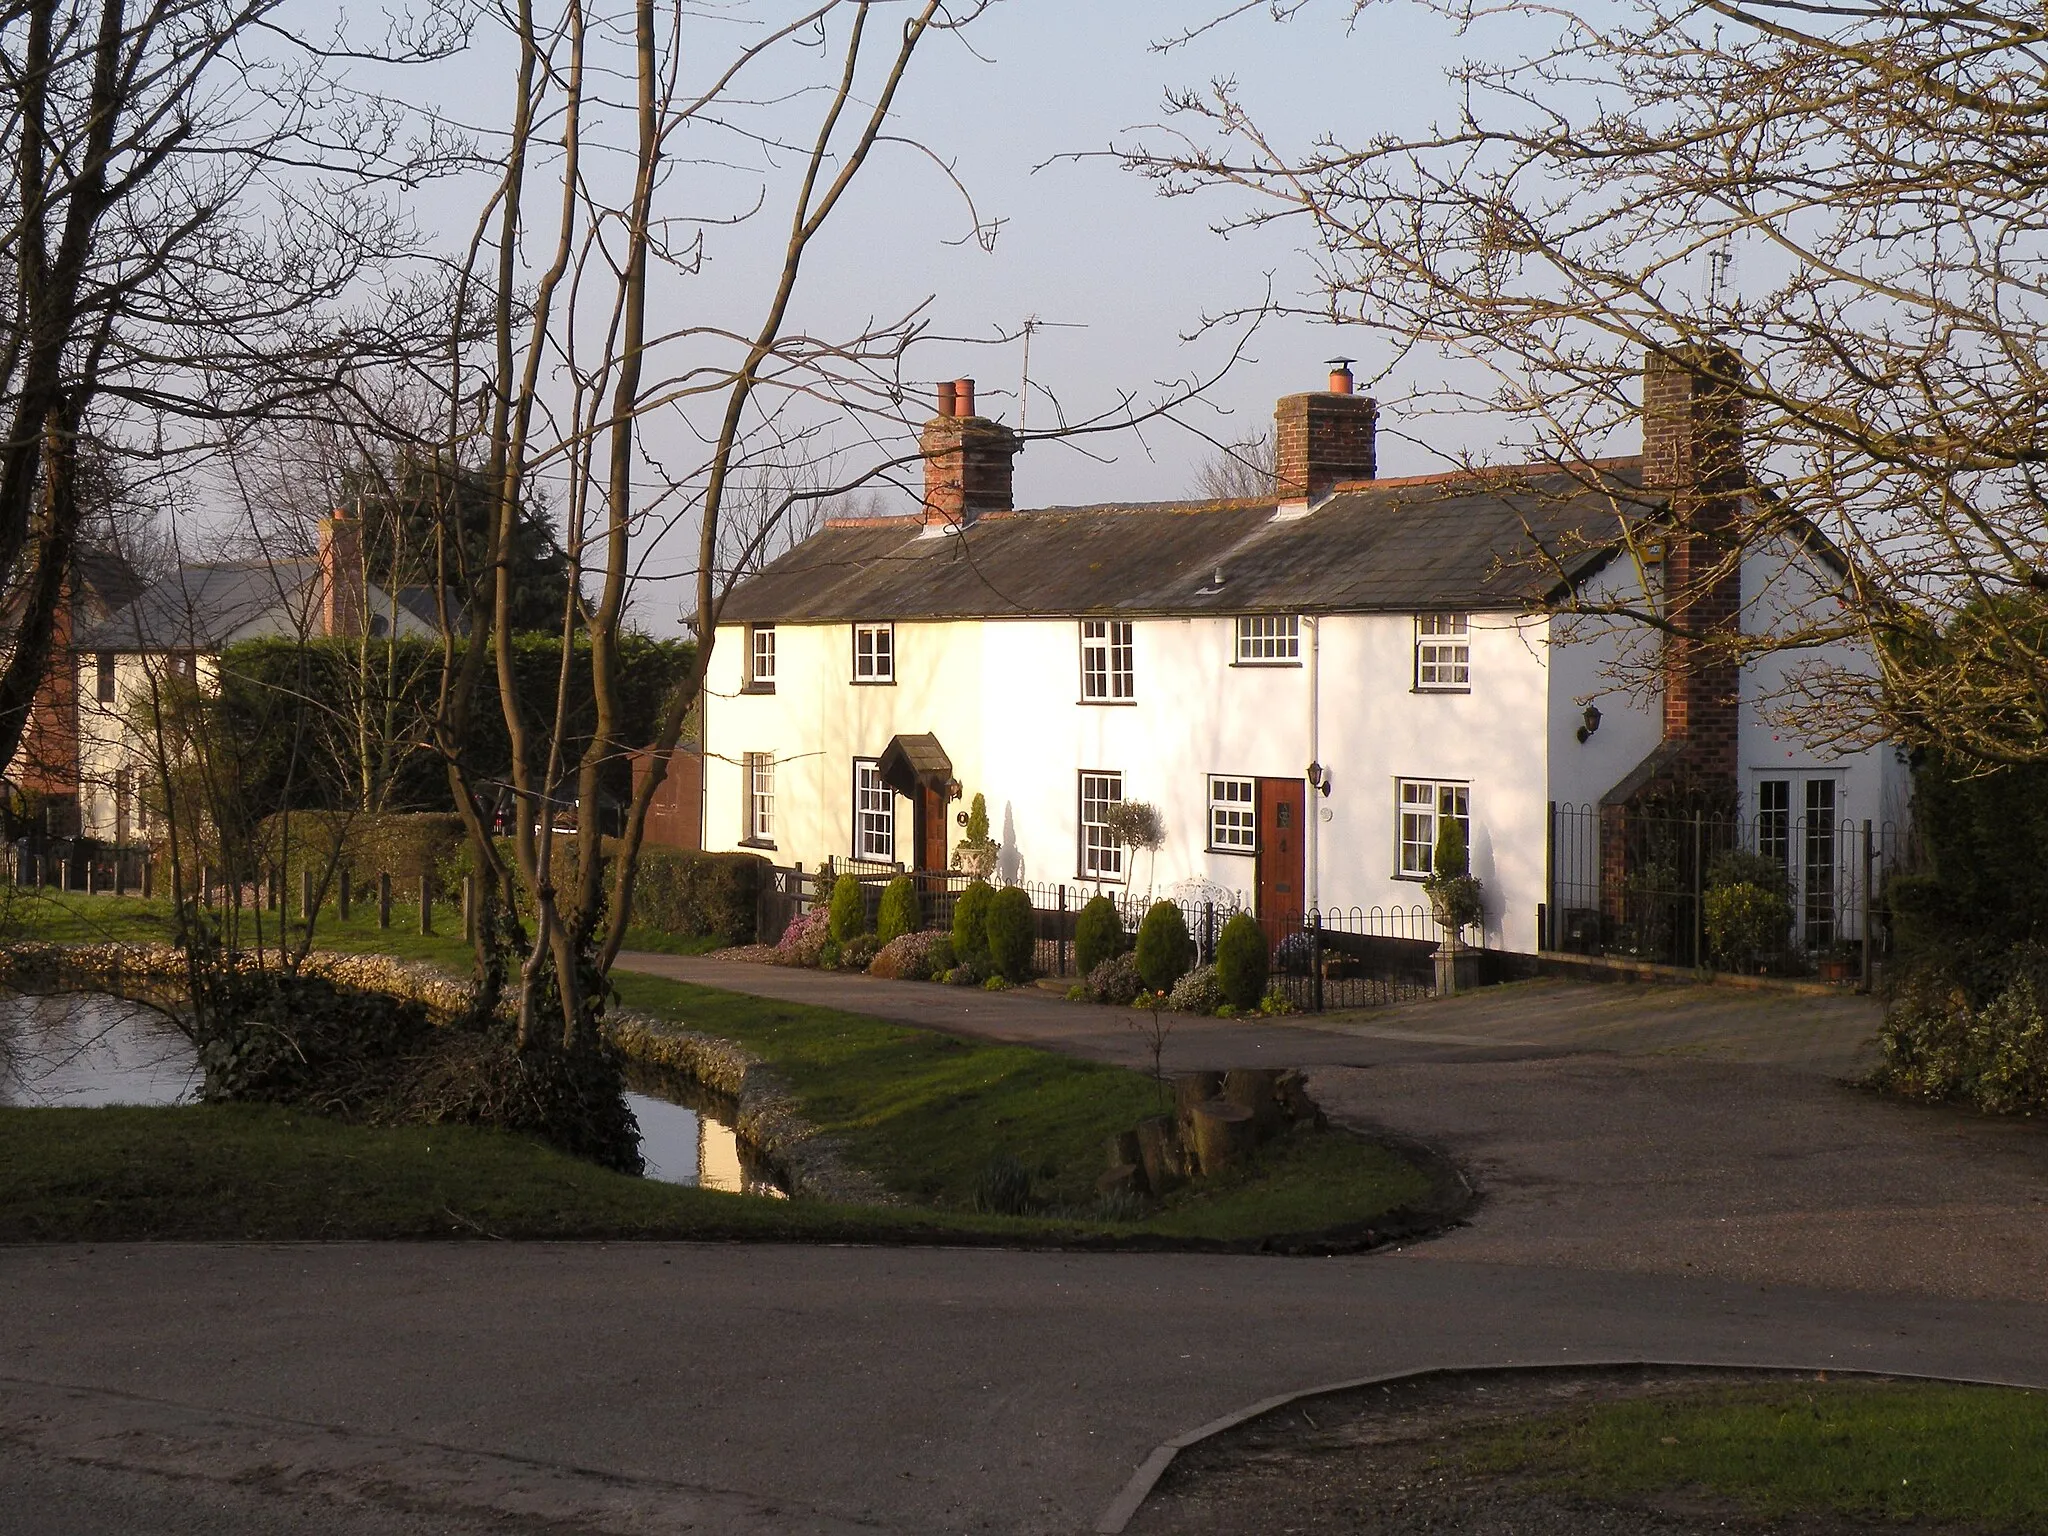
(1650, 1191)
(773, 1389)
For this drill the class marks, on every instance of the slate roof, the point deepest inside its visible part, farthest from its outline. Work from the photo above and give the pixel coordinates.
(200, 607)
(1489, 541)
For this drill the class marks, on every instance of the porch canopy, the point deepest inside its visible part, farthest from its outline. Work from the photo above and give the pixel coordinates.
(911, 763)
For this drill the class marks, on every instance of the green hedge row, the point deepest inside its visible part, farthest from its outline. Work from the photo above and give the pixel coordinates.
(675, 891)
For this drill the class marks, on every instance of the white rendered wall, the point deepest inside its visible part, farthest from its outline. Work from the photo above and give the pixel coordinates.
(1003, 697)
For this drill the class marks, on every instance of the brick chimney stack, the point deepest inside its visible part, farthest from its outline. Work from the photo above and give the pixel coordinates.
(967, 460)
(1323, 439)
(342, 595)
(1692, 454)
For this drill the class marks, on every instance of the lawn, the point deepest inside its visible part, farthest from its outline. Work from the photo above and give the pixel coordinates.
(1884, 1451)
(927, 1113)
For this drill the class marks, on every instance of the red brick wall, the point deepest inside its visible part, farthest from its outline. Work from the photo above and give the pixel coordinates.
(675, 817)
(47, 763)
(1692, 453)
(1322, 439)
(967, 468)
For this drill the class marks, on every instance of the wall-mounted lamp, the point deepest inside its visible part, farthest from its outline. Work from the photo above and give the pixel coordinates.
(1592, 719)
(953, 789)
(1319, 779)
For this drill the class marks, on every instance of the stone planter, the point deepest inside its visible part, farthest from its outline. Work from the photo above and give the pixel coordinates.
(1457, 966)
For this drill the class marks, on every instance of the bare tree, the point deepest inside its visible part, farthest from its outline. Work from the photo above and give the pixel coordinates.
(188, 197)
(1830, 214)
(1239, 471)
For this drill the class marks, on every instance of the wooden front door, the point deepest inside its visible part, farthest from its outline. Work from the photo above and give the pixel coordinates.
(931, 827)
(1282, 851)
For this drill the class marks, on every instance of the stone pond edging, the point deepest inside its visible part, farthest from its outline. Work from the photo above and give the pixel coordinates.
(766, 1111)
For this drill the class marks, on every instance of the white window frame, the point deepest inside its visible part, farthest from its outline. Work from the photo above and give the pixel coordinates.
(874, 813)
(1267, 640)
(758, 784)
(1233, 813)
(874, 653)
(1443, 653)
(1418, 803)
(1108, 662)
(761, 657)
(1100, 855)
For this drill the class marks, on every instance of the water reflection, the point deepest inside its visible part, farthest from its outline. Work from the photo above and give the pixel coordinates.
(82, 1050)
(687, 1137)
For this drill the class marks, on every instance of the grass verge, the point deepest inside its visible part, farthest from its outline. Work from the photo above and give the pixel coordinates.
(1888, 1451)
(927, 1113)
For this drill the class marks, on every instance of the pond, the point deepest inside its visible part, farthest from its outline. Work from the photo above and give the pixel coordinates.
(81, 1050)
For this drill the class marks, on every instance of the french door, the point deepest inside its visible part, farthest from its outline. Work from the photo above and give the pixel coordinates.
(1798, 823)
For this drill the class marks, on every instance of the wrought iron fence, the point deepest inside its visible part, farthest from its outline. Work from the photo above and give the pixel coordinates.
(1624, 882)
(1353, 957)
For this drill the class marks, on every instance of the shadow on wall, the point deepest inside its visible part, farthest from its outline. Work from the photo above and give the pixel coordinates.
(1480, 861)
(1010, 860)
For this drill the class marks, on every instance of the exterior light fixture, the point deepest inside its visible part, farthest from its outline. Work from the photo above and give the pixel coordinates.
(1319, 778)
(1592, 721)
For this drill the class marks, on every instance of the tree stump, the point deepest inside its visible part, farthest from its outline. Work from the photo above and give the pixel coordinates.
(1255, 1089)
(1159, 1154)
(1122, 1148)
(1224, 1134)
(1192, 1088)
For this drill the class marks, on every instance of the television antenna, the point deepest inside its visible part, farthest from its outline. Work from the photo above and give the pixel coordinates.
(1032, 325)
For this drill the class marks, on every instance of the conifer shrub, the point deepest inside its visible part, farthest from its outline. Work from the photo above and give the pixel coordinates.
(1241, 961)
(1012, 933)
(849, 908)
(1164, 950)
(970, 925)
(1098, 935)
(901, 911)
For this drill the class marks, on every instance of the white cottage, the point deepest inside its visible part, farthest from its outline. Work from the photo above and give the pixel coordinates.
(1302, 685)
(179, 625)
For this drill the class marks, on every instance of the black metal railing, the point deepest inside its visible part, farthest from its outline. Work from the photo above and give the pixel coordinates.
(1631, 883)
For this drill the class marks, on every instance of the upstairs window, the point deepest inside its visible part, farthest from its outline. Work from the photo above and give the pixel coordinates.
(874, 653)
(1102, 855)
(1443, 653)
(1233, 815)
(1268, 640)
(1420, 806)
(874, 813)
(103, 677)
(1106, 671)
(761, 657)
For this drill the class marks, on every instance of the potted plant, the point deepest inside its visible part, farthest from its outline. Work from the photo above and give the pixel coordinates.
(1455, 895)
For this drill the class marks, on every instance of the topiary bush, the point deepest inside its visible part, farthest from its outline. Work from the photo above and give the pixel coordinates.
(1116, 981)
(970, 925)
(849, 908)
(1098, 934)
(1164, 950)
(1196, 992)
(901, 911)
(1453, 891)
(1241, 961)
(1012, 933)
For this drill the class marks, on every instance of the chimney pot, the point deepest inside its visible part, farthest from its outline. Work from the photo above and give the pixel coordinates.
(948, 398)
(963, 397)
(1341, 382)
